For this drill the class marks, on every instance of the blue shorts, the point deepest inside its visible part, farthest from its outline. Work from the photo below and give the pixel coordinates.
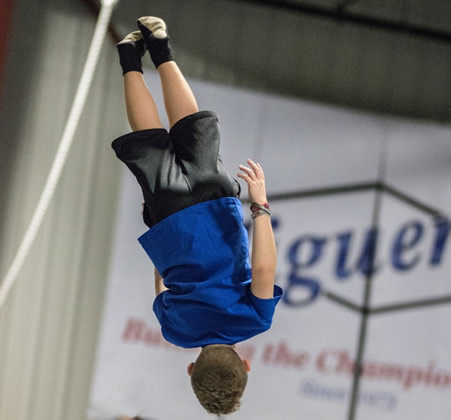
(179, 168)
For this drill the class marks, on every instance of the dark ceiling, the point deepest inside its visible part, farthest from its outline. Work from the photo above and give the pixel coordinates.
(383, 56)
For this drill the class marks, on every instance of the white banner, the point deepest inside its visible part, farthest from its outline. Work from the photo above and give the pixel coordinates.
(354, 184)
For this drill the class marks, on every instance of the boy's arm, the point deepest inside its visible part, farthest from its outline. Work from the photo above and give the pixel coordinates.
(264, 254)
(159, 286)
(264, 258)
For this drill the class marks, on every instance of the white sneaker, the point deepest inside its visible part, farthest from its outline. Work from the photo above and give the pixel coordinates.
(155, 25)
(131, 38)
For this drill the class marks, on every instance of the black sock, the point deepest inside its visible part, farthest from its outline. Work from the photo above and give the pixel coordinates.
(130, 54)
(159, 48)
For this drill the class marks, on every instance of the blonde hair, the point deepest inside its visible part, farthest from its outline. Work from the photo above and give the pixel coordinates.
(219, 378)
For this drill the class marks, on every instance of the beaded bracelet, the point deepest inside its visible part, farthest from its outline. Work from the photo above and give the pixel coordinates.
(259, 209)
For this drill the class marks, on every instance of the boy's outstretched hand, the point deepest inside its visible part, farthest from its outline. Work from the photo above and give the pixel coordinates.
(264, 253)
(255, 179)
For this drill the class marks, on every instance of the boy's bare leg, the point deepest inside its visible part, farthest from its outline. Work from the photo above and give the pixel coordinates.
(179, 99)
(141, 109)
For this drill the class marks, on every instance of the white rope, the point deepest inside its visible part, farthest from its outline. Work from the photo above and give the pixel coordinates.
(92, 59)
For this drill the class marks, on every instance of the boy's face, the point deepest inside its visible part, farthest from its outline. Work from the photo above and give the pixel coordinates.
(247, 363)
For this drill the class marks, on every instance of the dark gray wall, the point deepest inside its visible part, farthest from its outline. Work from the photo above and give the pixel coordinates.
(313, 58)
(49, 324)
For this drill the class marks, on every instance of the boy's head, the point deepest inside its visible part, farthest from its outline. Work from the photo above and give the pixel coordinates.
(218, 378)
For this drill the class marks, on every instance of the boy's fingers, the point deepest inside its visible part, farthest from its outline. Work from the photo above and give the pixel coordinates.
(253, 165)
(256, 167)
(249, 171)
(249, 180)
